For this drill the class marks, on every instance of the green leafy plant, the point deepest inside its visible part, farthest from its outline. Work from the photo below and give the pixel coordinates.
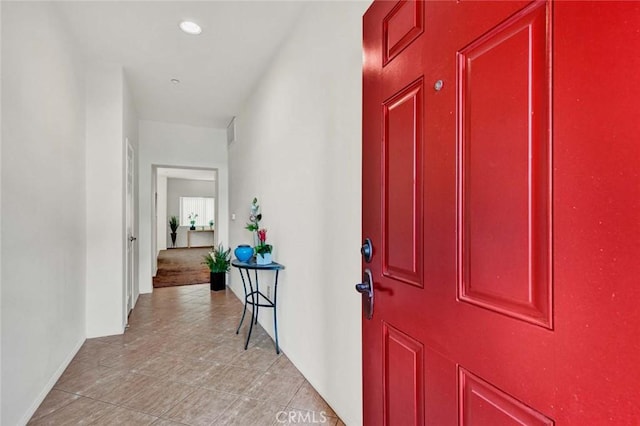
(192, 218)
(219, 260)
(173, 224)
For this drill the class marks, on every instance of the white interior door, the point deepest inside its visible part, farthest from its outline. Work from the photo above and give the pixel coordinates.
(131, 232)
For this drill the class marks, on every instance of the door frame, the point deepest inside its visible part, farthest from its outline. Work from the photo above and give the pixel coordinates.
(154, 208)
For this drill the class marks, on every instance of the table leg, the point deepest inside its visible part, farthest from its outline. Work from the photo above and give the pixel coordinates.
(257, 295)
(246, 297)
(253, 311)
(275, 317)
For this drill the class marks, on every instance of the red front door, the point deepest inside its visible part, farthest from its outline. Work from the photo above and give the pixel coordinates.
(501, 193)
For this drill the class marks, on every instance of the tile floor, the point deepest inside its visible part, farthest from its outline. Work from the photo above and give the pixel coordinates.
(180, 362)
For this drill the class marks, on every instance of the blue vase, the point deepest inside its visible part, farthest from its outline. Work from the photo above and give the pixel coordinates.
(243, 252)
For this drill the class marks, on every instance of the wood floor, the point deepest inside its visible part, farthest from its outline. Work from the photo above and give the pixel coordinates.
(180, 362)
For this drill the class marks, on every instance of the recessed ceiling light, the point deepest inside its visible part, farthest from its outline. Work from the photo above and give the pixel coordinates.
(190, 27)
(175, 81)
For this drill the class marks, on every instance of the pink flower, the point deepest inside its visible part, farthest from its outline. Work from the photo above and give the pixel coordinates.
(262, 235)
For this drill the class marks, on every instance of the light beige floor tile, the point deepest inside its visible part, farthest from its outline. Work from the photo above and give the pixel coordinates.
(307, 398)
(181, 360)
(76, 367)
(167, 342)
(130, 336)
(174, 367)
(228, 378)
(202, 407)
(256, 358)
(116, 388)
(165, 422)
(122, 416)
(188, 372)
(223, 352)
(81, 380)
(197, 349)
(283, 366)
(275, 388)
(249, 412)
(158, 365)
(127, 358)
(158, 397)
(82, 411)
(54, 401)
(93, 352)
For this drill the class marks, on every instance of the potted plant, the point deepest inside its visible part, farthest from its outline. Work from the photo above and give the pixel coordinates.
(263, 250)
(173, 224)
(192, 219)
(219, 262)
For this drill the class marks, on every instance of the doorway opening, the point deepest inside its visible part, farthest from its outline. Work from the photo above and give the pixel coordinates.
(189, 196)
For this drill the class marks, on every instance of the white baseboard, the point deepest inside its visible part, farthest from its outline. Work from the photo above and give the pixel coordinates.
(51, 383)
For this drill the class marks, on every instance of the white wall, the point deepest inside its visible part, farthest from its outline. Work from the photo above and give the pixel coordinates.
(166, 144)
(43, 205)
(105, 200)
(298, 149)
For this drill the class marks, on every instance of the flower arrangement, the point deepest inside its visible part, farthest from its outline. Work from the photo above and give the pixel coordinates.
(262, 246)
(192, 218)
(262, 249)
(254, 217)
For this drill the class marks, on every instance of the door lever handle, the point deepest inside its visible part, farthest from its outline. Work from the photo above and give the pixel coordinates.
(365, 288)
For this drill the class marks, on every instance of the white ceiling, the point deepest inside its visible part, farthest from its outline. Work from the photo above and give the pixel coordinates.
(194, 174)
(217, 69)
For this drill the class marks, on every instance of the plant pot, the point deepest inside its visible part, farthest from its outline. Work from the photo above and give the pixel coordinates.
(174, 235)
(243, 252)
(263, 259)
(218, 280)
(192, 227)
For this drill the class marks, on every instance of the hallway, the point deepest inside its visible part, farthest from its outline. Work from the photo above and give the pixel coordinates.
(103, 89)
(180, 362)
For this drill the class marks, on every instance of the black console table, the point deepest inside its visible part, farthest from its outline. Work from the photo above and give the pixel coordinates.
(253, 297)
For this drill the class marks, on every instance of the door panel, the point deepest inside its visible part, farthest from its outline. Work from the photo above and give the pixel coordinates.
(501, 194)
(483, 404)
(402, 180)
(504, 165)
(403, 378)
(402, 26)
